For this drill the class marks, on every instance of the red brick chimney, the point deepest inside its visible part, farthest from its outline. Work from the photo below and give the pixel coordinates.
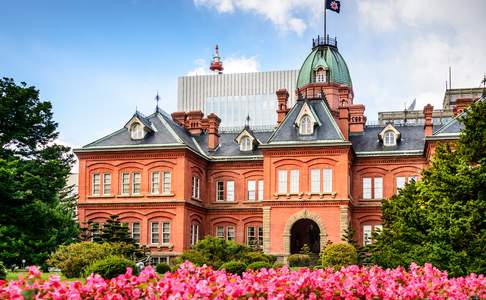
(344, 119)
(428, 124)
(179, 117)
(461, 105)
(282, 98)
(357, 119)
(213, 134)
(193, 122)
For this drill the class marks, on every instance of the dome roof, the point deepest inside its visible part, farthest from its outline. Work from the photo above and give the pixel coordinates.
(327, 57)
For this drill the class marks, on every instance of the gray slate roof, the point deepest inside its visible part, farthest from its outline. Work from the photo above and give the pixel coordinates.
(228, 146)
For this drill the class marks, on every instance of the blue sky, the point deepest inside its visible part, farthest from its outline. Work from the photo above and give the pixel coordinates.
(99, 60)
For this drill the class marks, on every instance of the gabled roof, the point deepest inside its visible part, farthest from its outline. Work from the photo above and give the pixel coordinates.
(307, 109)
(327, 131)
(137, 116)
(246, 131)
(389, 127)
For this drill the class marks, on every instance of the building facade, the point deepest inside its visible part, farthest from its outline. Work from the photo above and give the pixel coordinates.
(317, 172)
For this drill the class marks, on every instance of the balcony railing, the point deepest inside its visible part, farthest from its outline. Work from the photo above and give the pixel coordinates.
(323, 41)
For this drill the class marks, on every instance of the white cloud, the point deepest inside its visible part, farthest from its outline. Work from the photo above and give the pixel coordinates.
(233, 64)
(286, 15)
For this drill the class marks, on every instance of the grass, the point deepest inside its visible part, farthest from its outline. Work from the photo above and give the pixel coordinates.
(45, 276)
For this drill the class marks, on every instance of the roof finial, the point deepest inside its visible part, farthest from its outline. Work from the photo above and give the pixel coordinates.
(247, 121)
(216, 63)
(157, 99)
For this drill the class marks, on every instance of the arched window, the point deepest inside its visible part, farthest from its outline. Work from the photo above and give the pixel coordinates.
(321, 75)
(389, 139)
(305, 126)
(137, 131)
(245, 144)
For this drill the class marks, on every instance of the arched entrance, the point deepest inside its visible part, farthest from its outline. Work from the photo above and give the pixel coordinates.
(305, 231)
(307, 215)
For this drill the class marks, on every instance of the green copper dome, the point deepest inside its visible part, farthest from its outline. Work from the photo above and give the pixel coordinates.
(327, 57)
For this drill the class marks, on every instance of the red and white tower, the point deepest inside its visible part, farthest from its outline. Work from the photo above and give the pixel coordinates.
(216, 63)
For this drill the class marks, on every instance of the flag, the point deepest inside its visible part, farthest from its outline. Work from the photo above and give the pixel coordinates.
(333, 5)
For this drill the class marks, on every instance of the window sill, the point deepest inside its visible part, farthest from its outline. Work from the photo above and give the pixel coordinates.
(196, 199)
(100, 196)
(224, 202)
(130, 196)
(161, 195)
(253, 201)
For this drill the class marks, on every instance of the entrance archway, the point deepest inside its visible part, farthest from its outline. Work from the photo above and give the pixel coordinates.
(308, 215)
(305, 231)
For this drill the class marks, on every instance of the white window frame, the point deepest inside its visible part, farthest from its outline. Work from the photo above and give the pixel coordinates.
(230, 233)
(321, 75)
(220, 232)
(135, 232)
(194, 233)
(155, 182)
(106, 184)
(95, 184)
(166, 183)
(400, 182)
(246, 144)
(220, 191)
(389, 138)
(260, 190)
(260, 235)
(251, 190)
(165, 233)
(136, 183)
(327, 178)
(282, 181)
(306, 126)
(230, 191)
(367, 231)
(367, 188)
(250, 234)
(315, 175)
(294, 181)
(378, 188)
(125, 183)
(136, 131)
(154, 233)
(195, 187)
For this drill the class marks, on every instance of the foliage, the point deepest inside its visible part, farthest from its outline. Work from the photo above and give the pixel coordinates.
(110, 266)
(259, 265)
(278, 265)
(339, 255)
(305, 250)
(162, 268)
(74, 258)
(299, 260)
(234, 267)
(441, 218)
(254, 256)
(3, 271)
(35, 210)
(190, 282)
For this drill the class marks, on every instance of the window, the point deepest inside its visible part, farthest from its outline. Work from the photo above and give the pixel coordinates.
(154, 233)
(245, 144)
(260, 190)
(136, 232)
(230, 191)
(194, 233)
(378, 188)
(136, 179)
(195, 187)
(327, 180)
(321, 75)
(230, 233)
(294, 181)
(166, 185)
(366, 234)
(250, 235)
(137, 131)
(306, 126)
(282, 181)
(96, 231)
(366, 188)
(125, 183)
(400, 182)
(155, 182)
(220, 232)
(260, 235)
(165, 232)
(251, 190)
(315, 181)
(220, 191)
(389, 139)
(414, 178)
(95, 189)
(107, 184)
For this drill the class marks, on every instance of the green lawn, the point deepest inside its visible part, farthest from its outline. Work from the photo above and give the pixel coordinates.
(45, 276)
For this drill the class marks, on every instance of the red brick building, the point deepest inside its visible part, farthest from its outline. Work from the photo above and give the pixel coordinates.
(175, 178)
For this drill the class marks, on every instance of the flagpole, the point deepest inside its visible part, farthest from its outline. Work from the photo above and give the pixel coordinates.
(325, 32)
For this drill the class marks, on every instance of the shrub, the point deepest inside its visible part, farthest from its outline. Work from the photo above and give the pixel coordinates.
(299, 260)
(278, 265)
(162, 268)
(234, 266)
(74, 258)
(259, 265)
(255, 256)
(339, 255)
(110, 267)
(3, 271)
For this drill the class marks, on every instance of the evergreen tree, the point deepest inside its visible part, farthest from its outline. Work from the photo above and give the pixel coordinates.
(34, 213)
(442, 218)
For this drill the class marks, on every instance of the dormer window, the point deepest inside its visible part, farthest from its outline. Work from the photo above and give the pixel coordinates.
(389, 138)
(246, 143)
(321, 75)
(136, 131)
(306, 125)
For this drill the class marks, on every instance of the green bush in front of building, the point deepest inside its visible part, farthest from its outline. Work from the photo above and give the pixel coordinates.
(259, 265)
(3, 271)
(299, 260)
(110, 267)
(339, 255)
(162, 268)
(234, 267)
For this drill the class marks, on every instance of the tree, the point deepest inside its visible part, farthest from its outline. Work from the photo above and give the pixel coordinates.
(441, 219)
(34, 217)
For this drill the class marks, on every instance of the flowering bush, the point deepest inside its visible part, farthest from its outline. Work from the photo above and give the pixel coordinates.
(191, 282)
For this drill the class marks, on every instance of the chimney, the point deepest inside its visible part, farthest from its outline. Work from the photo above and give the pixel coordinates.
(193, 122)
(179, 117)
(213, 135)
(461, 105)
(428, 109)
(357, 119)
(282, 98)
(344, 119)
